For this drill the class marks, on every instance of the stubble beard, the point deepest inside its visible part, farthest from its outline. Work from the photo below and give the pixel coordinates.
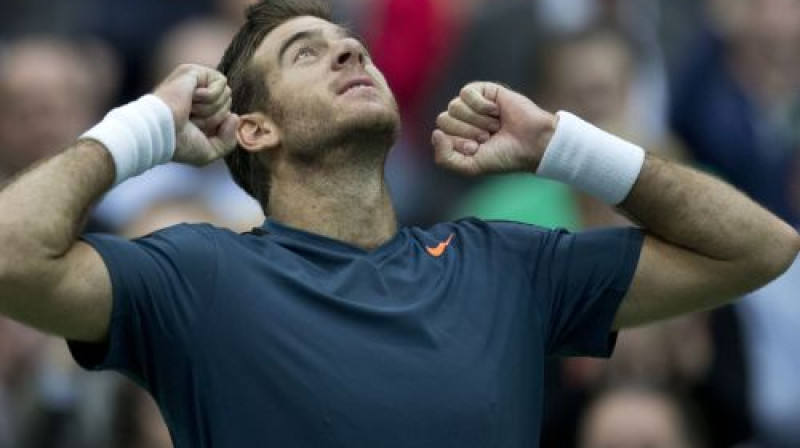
(362, 139)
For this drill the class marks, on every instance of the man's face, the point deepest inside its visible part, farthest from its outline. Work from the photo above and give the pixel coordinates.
(324, 89)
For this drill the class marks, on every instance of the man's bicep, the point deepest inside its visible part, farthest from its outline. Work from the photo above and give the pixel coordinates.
(80, 302)
(670, 281)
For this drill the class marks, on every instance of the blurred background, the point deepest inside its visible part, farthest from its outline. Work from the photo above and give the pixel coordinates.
(710, 83)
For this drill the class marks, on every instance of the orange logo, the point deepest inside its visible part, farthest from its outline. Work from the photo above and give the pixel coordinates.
(438, 251)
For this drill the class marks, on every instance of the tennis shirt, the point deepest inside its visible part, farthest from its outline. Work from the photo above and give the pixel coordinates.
(283, 338)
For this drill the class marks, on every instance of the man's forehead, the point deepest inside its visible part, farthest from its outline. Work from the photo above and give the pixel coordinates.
(272, 42)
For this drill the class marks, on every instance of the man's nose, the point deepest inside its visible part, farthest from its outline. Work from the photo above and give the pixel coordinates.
(348, 52)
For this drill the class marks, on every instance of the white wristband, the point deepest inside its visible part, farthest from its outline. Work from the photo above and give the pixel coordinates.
(139, 136)
(591, 160)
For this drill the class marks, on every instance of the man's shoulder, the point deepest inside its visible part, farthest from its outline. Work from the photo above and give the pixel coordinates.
(200, 230)
(196, 237)
(182, 231)
(485, 233)
(477, 225)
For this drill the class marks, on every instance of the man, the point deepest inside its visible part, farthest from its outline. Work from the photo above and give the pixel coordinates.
(329, 325)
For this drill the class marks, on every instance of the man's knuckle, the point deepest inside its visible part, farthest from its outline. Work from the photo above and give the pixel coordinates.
(187, 68)
(461, 110)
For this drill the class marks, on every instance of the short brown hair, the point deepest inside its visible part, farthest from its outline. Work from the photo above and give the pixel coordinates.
(247, 81)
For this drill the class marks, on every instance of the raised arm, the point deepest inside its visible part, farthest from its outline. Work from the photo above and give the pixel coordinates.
(705, 243)
(48, 278)
(708, 243)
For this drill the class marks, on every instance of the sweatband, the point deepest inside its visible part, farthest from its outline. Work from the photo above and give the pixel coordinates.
(139, 136)
(591, 160)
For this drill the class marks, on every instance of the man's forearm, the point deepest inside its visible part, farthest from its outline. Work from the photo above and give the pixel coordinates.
(41, 211)
(704, 215)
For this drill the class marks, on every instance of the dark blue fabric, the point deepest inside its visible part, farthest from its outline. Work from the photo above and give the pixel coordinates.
(284, 338)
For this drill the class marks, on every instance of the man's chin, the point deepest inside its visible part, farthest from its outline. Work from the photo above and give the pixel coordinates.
(375, 122)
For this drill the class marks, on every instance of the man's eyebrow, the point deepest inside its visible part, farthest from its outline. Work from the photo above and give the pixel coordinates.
(308, 34)
(300, 35)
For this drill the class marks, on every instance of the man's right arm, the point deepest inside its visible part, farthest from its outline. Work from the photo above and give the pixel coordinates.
(49, 279)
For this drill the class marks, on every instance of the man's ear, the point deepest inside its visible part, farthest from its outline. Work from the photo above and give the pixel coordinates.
(257, 132)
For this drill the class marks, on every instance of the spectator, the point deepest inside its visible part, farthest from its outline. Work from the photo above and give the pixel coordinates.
(134, 30)
(736, 99)
(50, 92)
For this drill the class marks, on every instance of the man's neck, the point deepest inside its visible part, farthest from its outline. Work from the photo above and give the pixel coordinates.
(351, 205)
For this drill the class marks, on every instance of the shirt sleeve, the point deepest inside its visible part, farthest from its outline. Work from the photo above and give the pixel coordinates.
(587, 274)
(160, 284)
(578, 282)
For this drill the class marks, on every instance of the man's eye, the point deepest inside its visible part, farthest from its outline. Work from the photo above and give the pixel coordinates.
(305, 52)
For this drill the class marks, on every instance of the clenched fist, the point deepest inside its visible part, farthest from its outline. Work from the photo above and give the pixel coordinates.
(200, 100)
(491, 129)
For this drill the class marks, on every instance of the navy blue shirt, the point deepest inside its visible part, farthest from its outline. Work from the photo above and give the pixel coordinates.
(280, 338)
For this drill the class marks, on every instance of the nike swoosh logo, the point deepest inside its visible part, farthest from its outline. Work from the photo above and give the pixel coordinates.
(438, 251)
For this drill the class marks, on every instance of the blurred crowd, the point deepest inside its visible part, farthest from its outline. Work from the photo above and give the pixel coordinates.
(714, 84)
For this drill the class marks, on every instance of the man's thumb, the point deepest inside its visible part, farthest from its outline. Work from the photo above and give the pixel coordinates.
(227, 132)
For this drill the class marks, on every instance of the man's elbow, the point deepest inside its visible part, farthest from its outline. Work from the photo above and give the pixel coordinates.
(776, 259)
(794, 241)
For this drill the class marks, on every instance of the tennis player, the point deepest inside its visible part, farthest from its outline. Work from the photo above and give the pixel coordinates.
(331, 325)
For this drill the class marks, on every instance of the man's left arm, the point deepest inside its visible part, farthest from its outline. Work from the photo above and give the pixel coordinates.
(705, 244)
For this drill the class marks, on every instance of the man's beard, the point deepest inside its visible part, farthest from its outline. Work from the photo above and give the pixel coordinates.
(359, 139)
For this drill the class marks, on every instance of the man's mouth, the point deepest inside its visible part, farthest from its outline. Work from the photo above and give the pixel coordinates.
(357, 84)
